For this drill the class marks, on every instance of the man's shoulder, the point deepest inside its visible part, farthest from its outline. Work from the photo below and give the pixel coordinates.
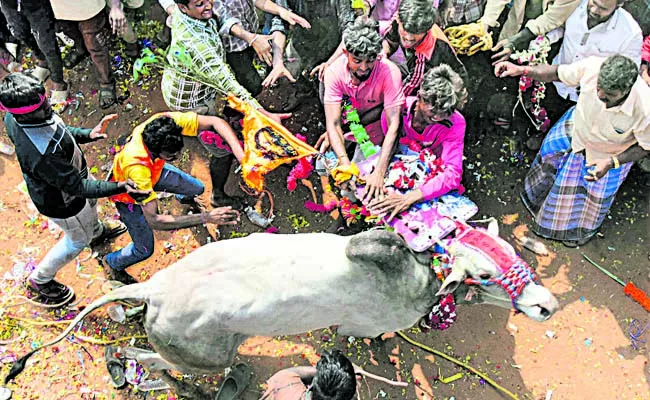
(627, 23)
(388, 69)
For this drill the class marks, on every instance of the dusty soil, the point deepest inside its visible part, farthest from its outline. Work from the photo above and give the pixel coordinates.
(584, 352)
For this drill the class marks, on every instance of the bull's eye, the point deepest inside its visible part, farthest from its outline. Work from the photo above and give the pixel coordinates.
(484, 276)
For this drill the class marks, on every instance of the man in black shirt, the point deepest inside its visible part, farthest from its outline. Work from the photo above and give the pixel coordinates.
(57, 178)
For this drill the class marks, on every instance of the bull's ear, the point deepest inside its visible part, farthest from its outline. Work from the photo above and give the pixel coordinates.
(451, 282)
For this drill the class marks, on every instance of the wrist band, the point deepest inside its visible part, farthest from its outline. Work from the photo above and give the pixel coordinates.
(202, 218)
(254, 39)
(616, 162)
(327, 189)
(526, 71)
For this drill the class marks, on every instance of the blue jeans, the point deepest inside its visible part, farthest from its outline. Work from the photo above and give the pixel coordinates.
(172, 180)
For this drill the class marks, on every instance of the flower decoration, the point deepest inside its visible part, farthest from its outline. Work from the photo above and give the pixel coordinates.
(351, 116)
(536, 54)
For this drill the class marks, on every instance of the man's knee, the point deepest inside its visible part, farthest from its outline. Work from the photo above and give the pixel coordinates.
(144, 250)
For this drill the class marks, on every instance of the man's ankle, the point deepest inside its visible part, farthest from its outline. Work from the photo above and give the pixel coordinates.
(59, 86)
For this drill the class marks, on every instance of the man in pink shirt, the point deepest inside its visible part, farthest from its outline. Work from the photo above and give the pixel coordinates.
(431, 122)
(372, 84)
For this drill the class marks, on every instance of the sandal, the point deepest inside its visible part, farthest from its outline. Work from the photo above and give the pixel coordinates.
(73, 59)
(115, 367)
(42, 74)
(234, 384)
(107, 96)
(59, 100)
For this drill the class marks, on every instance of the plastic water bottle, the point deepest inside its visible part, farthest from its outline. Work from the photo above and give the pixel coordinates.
(116, 313)
(5, 393)
(154, 384)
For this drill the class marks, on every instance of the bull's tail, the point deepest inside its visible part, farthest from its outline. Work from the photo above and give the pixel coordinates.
(129, 292)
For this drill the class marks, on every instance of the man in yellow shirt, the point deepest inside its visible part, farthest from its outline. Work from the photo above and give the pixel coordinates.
(143, 159)
(587, 155)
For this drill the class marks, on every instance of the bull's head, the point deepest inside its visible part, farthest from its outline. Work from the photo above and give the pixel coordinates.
(496, 274)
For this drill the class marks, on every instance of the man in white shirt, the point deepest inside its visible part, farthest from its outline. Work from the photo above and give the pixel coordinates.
(596, 28)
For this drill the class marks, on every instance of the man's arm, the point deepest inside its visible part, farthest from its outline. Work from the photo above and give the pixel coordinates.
(220, 126)
(632, 47)
(493, 9)
(543, 72)
(60, 173)
(391, 40)
(160, 222)
(601, 166)
(553, 17)
(393, 120)
(375, 181)
(287, 15)
(81, 135)
(211, 64)
(335, 132)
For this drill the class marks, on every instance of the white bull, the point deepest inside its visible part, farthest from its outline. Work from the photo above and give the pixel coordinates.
(200, 309)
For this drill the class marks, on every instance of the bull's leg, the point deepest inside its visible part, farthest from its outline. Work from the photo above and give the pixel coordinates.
(153, 361)
(184, 389)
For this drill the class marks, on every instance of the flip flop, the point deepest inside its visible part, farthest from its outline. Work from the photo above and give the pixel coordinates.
(42, 74)
(115, 367)
(59, 100)
(235, 383)
(107, 96)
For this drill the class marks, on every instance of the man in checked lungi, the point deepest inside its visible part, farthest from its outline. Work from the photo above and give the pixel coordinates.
(586, 156)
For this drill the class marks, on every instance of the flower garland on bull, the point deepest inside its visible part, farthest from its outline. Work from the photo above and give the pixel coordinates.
(536, 54)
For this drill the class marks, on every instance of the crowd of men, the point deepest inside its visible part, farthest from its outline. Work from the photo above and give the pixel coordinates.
(390, 60)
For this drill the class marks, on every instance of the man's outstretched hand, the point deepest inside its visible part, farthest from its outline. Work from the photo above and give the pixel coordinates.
(98, 131)
(222, 216)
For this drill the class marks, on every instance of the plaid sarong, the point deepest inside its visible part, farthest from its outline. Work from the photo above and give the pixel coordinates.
(564, 205)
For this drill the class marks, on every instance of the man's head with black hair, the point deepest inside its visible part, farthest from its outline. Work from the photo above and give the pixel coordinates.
(163, 138)
(415, 18)
(21, 89)
(334, 379)
(197, 9)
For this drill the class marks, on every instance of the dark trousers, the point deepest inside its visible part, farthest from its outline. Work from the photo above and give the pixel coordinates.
(92, 36)
(241, 63)
(34, 27)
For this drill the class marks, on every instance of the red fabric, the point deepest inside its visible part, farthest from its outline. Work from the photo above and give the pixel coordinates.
(645, 50)
(488, 245)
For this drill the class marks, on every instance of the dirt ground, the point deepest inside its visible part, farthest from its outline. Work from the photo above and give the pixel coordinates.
(584, 352)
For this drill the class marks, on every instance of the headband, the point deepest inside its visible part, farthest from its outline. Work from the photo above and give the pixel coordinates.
(24, 109)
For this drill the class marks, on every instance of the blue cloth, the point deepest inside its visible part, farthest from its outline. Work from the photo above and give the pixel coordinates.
(172, 180)
(564, 205)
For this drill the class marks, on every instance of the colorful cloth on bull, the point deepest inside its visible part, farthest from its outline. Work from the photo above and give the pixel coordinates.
(267, 144)
(564, 205)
